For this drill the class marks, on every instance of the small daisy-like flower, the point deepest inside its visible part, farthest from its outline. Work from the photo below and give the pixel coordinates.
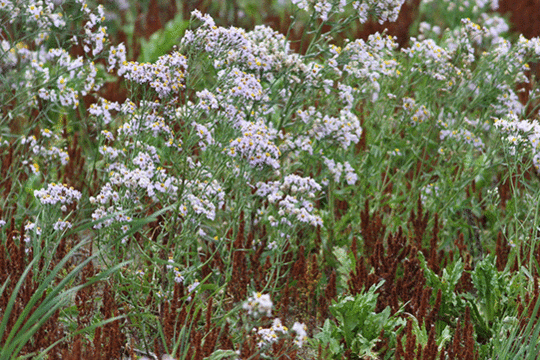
(61, 225)
(301, 333)
(178, 276)
(259, 304)
(193, 286)
(170, 261)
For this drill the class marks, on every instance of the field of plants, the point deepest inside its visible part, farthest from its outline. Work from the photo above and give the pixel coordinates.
(277, 179)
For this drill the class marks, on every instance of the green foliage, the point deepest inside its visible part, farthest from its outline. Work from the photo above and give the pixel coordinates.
(345, 265)
(490, 286)
(519, 342)
(163, 40)
(358, 325)
(221, 354)
(247, 168)
(50, 296)
(452, 304)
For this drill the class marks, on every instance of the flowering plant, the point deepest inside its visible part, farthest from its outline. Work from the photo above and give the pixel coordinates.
(258, 160)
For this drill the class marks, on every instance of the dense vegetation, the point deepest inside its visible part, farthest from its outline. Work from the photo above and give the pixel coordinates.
(286, 192)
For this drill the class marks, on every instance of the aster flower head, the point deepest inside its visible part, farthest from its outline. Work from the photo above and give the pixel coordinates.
(259, 305)
(301, 333)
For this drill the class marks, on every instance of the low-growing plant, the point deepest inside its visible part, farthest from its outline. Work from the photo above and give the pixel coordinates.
(358, 325)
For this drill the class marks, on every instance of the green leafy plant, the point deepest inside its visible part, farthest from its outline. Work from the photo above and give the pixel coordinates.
(358, 325)
(452, 304)
(232, 166)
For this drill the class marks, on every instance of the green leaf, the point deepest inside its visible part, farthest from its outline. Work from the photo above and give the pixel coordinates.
(162, 41)
(485, 278)
(221, 354)
(330, 336)
(444, 337)
(357, 319)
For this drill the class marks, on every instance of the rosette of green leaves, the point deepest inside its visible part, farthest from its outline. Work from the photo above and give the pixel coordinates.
(358, 325)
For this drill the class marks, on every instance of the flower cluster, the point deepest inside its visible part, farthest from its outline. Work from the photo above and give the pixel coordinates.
(31, 229)
(61, 225)
(259, 305)
(105, 217)
(96, 35)
(166, 76)
(301, 333)
(37, 14)
(262, 49)
(270, 335)
(415, 114)
(385, 10)
(241, 84)
(517, 131)
(192, 289)
(429, 192)
(495, 26)
(300, 143)
(434, 60)
(178, 277)
(59, 78)
(256, 145)
(44, 148)
(103, 109)
(296, 204)
(146, 118)
(205, 197)
(337, 169)
(344, 129)
(451, 128)
(117, 57)
(128, 186)
(367, 61)
(216, 39)
(57, 194)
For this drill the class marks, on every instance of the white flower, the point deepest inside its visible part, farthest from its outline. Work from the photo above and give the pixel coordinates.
(193, 286)
(259, 304)
(301, 333)
(57, 193)
(61, 225)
